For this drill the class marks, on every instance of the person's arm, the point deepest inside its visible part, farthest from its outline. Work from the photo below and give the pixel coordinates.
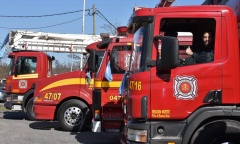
(200, 57)
(189, 51)
(203, 57)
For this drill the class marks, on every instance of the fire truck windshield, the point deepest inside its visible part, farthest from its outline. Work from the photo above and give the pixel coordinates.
(100, 55)
(11, 66)
(100, 58)
(137, 62)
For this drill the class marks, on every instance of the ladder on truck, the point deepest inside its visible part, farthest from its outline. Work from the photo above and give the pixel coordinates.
(50, 42)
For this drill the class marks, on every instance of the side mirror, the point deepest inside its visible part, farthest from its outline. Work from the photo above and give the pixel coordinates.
(169, 53)
(92, 61)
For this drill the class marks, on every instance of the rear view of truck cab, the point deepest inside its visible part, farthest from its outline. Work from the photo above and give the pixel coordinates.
(171, 101)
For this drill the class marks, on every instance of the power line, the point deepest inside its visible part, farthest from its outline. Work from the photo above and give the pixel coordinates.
(88, 14)
(48, 15)
(44, 26)
(103, 17)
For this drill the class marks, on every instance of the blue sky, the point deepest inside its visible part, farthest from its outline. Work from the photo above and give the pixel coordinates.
(116, 11)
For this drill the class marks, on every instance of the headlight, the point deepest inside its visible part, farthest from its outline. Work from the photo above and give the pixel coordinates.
(37, 99)
(8, 99)
(137, 135)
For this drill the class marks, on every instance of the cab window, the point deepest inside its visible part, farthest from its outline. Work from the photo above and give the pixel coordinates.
(27, 65)
(120, 59)
(201, 32)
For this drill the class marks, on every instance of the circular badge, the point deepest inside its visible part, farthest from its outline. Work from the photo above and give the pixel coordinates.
(185, 87)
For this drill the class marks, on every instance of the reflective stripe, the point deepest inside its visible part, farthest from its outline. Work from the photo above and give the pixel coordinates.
(26, 76)
(79, 81)
(100, 84)
(71, 81)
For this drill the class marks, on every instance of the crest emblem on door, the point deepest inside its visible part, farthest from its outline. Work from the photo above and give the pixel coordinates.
(185, 87)
(22, 84)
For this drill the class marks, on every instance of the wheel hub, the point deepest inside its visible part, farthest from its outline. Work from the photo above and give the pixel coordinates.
(73, 116)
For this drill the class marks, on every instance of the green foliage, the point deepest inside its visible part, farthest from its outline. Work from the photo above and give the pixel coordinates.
(2, 108)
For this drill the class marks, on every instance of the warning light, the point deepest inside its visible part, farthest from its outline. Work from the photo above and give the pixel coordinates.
(122, 31)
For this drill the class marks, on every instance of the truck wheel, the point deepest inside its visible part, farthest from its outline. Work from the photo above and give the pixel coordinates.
(74, 115)
(218, 132)
(29, 108)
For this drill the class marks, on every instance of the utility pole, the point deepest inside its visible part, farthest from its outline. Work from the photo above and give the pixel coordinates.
(83, 17)
(94, 20)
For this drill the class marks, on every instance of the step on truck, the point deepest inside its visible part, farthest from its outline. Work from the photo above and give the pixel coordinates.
(169, 102)
(29, 62)
(88, 97)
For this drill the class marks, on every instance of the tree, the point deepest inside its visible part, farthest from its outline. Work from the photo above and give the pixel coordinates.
(110, 29)
(60, 67)
(4, 64)
(4, 67)
(76, 59)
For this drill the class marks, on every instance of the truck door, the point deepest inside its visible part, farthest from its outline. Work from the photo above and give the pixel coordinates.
(25, 73)
(119, 63)
(89, 82)
(186, 86)
(140, 77)
(106, 98)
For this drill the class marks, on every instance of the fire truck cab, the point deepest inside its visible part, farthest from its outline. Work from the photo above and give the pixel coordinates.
(29, 62)
(90, 96)
(170, 102)
(26, 67)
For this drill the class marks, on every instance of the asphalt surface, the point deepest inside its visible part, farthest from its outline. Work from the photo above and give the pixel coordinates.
(16, 128)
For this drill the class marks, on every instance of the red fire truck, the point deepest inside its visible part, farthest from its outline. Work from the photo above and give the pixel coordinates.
(24, 71)
(29, 62)
(80, 98)
(169, 103)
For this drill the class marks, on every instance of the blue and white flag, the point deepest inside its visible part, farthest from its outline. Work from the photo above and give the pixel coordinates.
(122, 86)
(88, 75)
(108, 72)
(89, 78)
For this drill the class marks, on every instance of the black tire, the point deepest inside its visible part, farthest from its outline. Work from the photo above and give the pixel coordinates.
(74, 116)
(29, 108)
(218, 132)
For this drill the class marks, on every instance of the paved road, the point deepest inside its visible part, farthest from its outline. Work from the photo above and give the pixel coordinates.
(16, 129)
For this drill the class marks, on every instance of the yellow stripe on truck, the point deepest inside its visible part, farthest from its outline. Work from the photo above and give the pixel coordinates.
(26, 76)
(64, 82)
(79, 81)
(104, 84)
